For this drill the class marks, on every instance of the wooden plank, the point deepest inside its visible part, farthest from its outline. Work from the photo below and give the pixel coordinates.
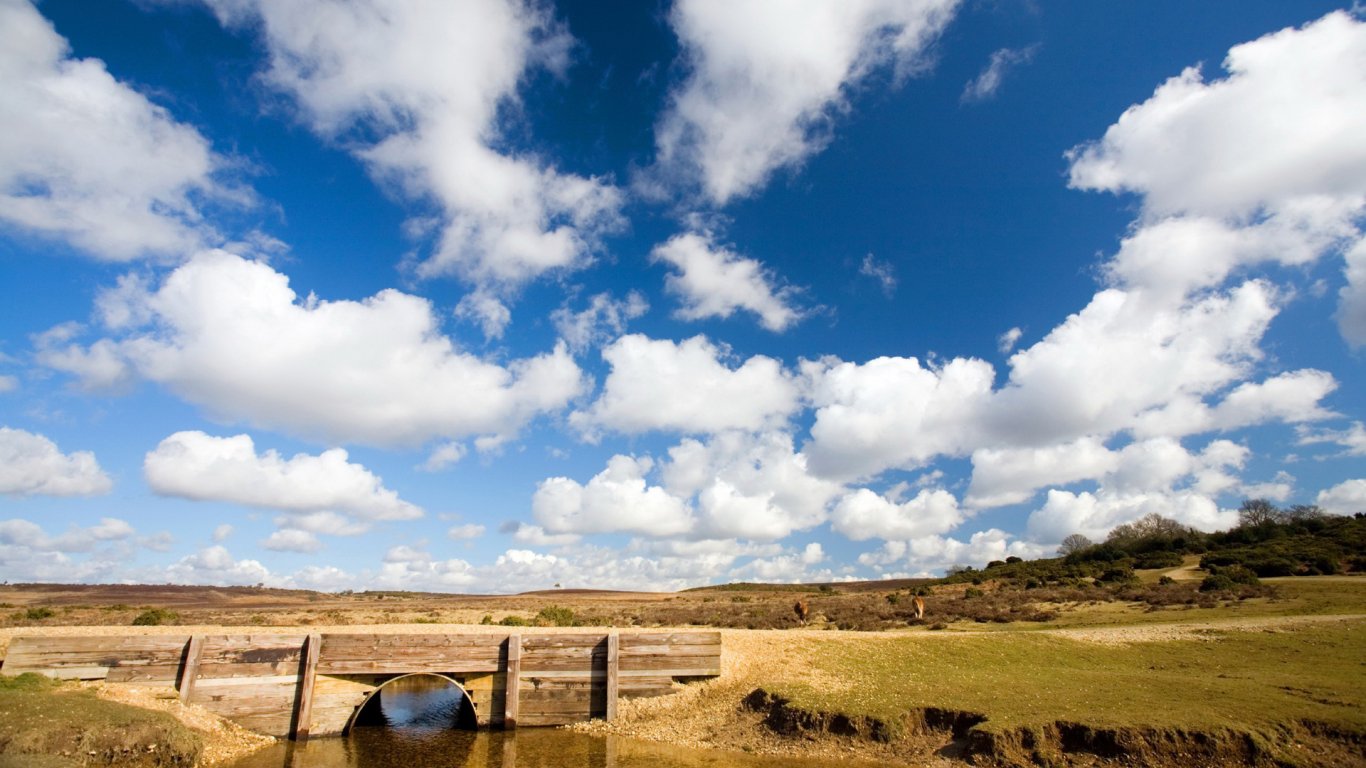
(683, 672)
(403, 666)
(613, 681)
(303, 715)
(633, 640)
(190, 672)
(513, 682)
(672, 662)
(167, 675)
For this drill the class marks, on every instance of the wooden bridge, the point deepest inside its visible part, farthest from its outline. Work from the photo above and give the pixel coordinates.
(297, 685)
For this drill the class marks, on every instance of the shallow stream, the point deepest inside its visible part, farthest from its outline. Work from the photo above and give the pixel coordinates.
(419, 726)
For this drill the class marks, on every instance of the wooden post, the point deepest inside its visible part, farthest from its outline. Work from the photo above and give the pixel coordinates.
(514, 681)
(613, 654)
(189, 672)
(303, 714)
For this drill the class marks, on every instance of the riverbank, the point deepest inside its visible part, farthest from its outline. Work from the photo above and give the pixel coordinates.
(1272, 691)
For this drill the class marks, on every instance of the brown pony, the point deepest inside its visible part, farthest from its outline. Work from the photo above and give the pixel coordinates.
(919, 603)
(802, 610)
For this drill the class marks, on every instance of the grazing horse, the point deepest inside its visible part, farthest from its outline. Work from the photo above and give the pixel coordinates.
(919, 603)
(802, 610)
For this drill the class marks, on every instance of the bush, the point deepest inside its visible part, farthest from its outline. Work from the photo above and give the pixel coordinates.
(555, 616)
(38, 614)
(1216, 582)
(1161, 559)
(973, 592)
(1165, 581)
(155, 617)
(513, 621)
(1118, 575)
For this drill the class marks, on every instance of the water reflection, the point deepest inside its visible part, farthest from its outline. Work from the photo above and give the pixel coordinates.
(525, 748)
(426, 722)
(417, 702)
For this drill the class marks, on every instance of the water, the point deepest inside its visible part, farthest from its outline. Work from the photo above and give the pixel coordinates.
(419, 725)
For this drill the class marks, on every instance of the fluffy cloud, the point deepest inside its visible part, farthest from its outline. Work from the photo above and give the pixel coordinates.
(1345, 498)
(1094, 514)
(932, 555)
(22, 533)
(865, 515)
(767, 78)
(893, 412)
(98, 553)
(33, 465)
(1222, 185)
(292, 540)
(86, 158)
(1126, 354)
(1150, 476)
(603, 319)
(1208, 147)
(714, 282)
(1002, 476)
(748, 485)
(686, 387)
(733, 485)
(202, 467)
(216, 565)
(229, 334)
(466, 531)
(618, 499)
(988, 82)
(416, 88)
(1352, 439)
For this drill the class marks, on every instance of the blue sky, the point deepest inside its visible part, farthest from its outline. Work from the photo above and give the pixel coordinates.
(494, 295)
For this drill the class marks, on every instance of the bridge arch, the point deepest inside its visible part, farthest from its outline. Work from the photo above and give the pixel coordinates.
(467, 703)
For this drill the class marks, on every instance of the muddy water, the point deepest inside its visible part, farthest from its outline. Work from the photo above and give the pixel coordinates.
(421, 726)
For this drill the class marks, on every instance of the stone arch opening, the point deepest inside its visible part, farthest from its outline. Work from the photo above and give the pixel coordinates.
(420, 700)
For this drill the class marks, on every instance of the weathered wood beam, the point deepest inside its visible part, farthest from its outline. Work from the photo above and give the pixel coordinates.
(303, 713)
(513, 682)
(613, 657)
(189, 672)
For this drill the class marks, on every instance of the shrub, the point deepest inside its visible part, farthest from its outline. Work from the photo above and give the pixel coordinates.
(555, 616)
(972, 592)
(1160, 559)
(155, 616)
(1270, 566)
(1216, 582)
(1165, 580)
(38, 614)
(513, 621)
(1118, 575)
(488, 619)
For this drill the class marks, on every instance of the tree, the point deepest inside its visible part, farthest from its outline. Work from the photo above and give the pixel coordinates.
(1256, 512)
(1305, 512)
(1074, 543)
(1150, 526)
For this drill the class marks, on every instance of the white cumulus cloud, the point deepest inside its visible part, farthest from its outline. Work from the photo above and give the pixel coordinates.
(767, 78)
(1345, 498)
(33, 465)
(230, 335)
(202, 467)
(713, 281)
(418, 89)
(686, 387)
(86, 158)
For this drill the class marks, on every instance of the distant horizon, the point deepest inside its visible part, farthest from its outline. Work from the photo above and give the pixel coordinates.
(474, 298)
